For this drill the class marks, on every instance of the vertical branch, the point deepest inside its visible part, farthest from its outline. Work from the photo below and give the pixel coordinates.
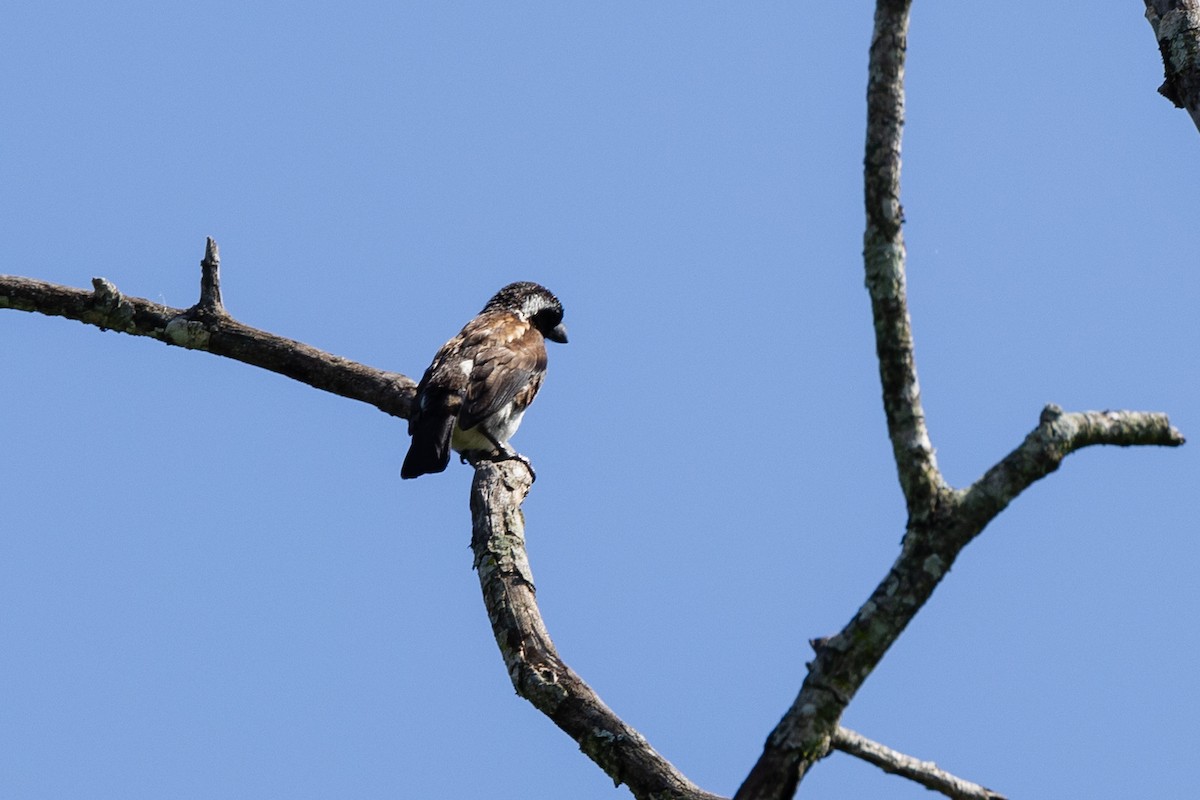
(884, 256)
(210, 280)
(804, 735)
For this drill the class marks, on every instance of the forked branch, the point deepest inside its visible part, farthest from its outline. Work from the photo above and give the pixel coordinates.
(941, 521)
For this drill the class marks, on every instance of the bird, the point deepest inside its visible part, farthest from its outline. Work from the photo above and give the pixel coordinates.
(476, 390)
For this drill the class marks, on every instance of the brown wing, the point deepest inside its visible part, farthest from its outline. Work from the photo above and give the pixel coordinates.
(509, 361)
(438, 400)
(443, 386)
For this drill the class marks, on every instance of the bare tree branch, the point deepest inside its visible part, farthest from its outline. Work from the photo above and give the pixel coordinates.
(537, 672)
(884, 256)
(1057, 435)
(1176, 25)
(925, 773)
(941, 521)
(804, 734)
(207, 327)
(931, 544)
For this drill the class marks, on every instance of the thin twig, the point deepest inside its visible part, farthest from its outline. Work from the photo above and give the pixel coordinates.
(925, 773)
(210, 280)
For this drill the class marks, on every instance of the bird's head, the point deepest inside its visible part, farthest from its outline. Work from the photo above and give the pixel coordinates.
(533, 302)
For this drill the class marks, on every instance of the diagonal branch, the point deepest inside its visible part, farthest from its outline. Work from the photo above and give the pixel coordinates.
(925, 773)
(1057, 435)
(537, 672)
(207, 327)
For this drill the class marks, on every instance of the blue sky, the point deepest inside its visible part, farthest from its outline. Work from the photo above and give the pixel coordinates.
(212, 581)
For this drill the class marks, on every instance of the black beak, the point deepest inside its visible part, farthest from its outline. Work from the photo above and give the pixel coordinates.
(558, 334)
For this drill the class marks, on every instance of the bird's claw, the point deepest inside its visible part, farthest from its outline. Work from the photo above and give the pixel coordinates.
(473, 457)
(528, 466)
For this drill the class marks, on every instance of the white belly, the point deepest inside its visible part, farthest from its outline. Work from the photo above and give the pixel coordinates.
(501, 425)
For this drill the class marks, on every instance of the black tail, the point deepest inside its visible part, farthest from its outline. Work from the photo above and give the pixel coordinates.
(430, 448)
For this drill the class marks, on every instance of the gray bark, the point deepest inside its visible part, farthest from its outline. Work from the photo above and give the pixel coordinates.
(1176, 25)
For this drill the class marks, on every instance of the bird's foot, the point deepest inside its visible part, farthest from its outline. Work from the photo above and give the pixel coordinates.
(508, 454)
(473, 457)
(528, 466)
